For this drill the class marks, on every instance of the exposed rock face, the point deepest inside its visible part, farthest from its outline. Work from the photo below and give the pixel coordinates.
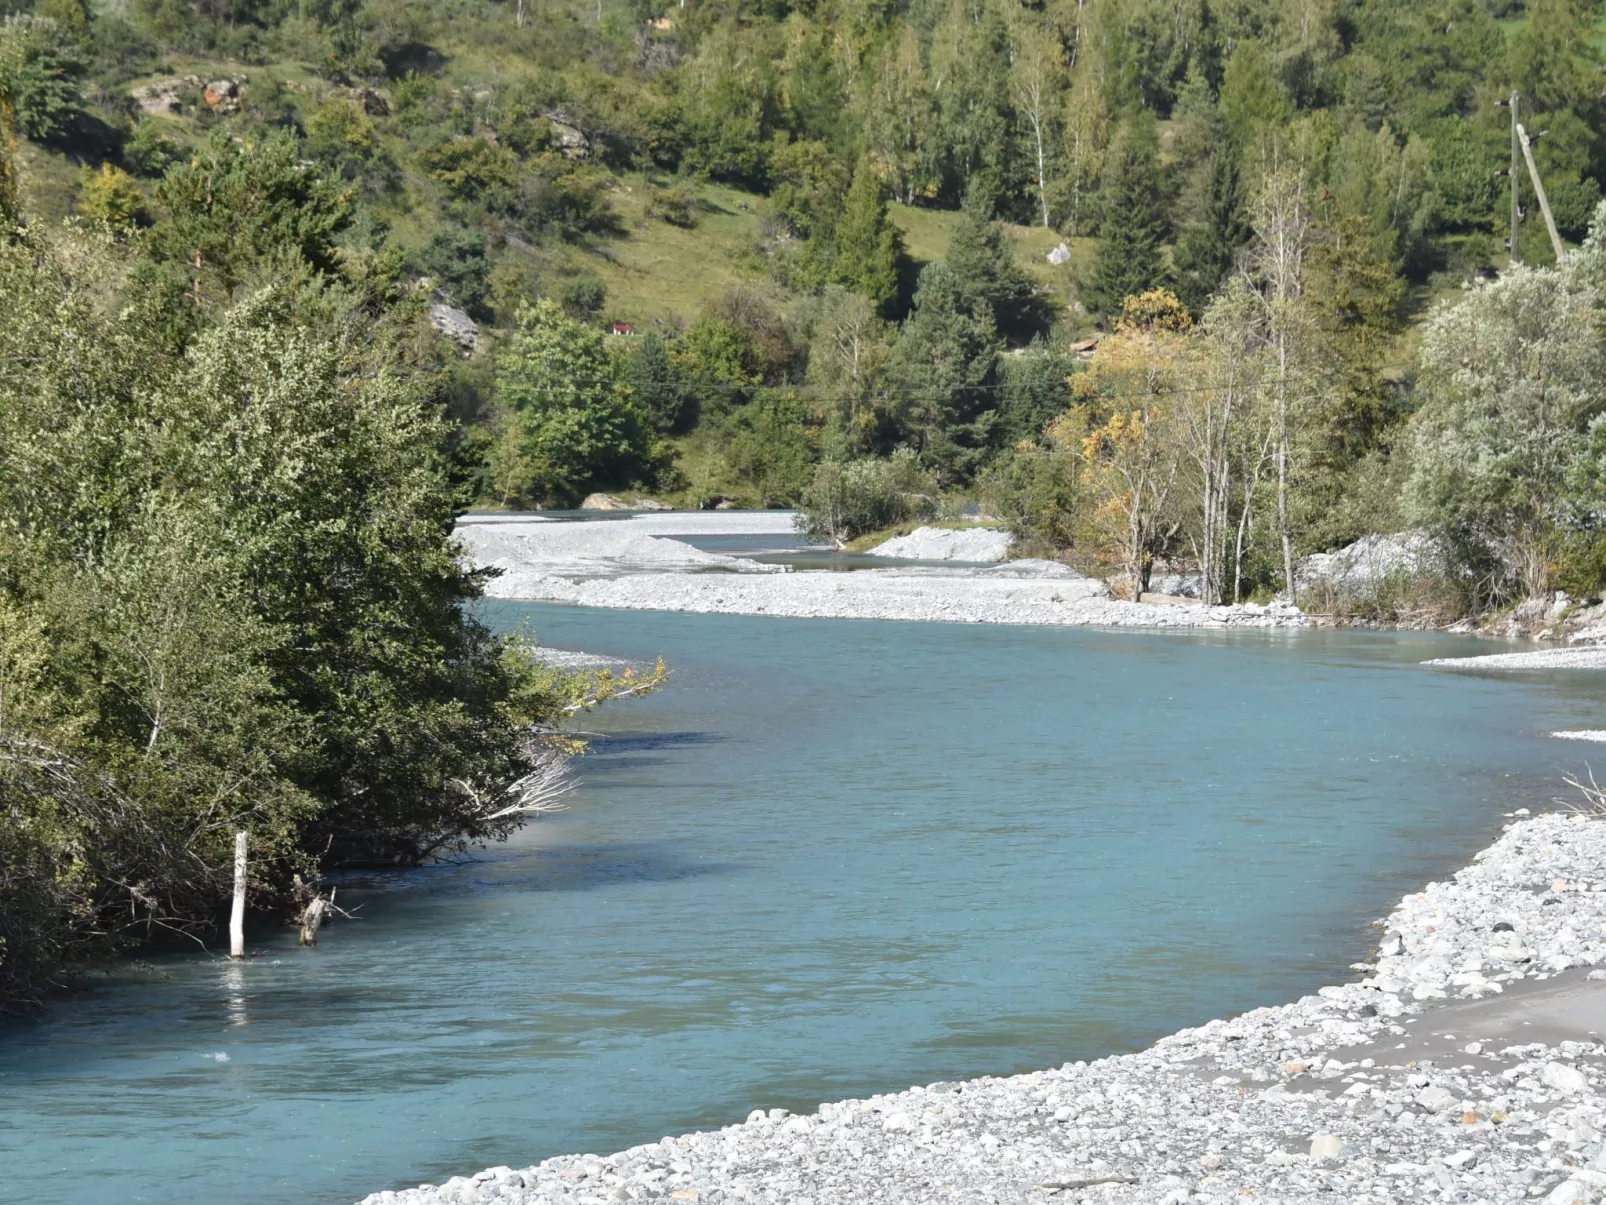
(1361, 568)
(223, 95)
(570, 139)
(369, 101)
(980, 544)
(162, 96)
(1060, 255)
(1175, 585)
(650, 504)
(602, 502)
(455, 325)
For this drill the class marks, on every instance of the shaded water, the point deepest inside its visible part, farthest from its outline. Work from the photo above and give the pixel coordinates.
(832, 858)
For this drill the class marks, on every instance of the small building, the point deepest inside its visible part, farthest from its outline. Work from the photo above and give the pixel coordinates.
(621, 328)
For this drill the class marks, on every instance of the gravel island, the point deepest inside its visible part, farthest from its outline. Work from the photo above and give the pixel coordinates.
(1464, 1063)
(633, 564)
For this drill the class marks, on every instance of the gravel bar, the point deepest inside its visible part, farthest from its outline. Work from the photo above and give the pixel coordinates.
(1002, 595)
(1465, 1065)
(1586, 657)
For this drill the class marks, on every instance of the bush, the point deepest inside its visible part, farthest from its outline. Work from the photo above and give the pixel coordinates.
(845, 501)
(41, 66)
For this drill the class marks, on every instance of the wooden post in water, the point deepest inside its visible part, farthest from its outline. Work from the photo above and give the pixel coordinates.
(237, 914)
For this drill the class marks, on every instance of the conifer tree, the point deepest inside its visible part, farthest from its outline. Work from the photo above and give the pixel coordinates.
(983, 265)
(1204, 254)
(869, 248)
(652, 377)
(1130, 257)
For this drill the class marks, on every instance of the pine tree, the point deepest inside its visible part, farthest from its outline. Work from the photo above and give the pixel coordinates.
(944, 363)
(1205, 254)
(980, 260)
(869, 248)
(1130, 259)
(652, 377)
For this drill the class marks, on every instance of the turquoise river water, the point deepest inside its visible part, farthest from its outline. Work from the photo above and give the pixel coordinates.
(832, 858)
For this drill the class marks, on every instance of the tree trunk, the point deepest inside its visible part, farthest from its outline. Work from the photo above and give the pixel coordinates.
(1282, 466)
(1042, 177)
(237, 913)
(312, 918)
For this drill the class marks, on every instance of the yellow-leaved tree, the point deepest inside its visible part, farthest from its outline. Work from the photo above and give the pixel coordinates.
(1125, 422)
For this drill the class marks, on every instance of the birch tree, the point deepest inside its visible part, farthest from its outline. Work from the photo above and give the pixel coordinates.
(1281, 221)
(1231, 350)
(1037, 83)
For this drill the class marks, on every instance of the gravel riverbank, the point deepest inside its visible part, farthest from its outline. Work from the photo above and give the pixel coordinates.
(1584, 657)
(1465, 1064)
(632, 564)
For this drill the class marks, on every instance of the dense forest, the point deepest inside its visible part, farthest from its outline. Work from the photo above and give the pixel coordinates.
(289, 285)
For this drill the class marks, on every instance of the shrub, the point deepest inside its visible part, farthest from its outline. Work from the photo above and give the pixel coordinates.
(845, 501)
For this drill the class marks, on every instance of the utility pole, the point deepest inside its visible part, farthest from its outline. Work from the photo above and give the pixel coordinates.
(1539, 190)
(1516, 181)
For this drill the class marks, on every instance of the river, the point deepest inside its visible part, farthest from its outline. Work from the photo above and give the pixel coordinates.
(831, 858)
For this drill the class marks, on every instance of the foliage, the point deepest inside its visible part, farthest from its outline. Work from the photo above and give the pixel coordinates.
(228, 598)
(574, 424)
(1512, 376)
(1132, 233)
(236, 203)
(846, 500)
(111, 196)
(653, 380)
(455, 260)
(40, 68)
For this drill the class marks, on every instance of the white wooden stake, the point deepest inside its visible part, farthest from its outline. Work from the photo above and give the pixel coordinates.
(237, 915)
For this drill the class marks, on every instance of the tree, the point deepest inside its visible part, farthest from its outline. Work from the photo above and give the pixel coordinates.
(1512, 378)
(847, 359)
(1281, 221)
(41, 67)
(1036, 78)
(984, 267)
(455, 260)
(574, 425)
(868, 248)
(229, 601)
(1206, 252)
(655, 384)
(236, 204)
(111, 196)
(943, 365)
(1125, 420)
(848, 500)
(1132, 232)
(1211, 414)
(900, 118)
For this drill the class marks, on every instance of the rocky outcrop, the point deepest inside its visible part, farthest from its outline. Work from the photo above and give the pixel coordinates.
(166, 95)
(1360, 569)
(454, 324)
(602, 502)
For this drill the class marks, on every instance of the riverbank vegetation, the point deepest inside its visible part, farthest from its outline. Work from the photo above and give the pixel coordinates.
(229, 599)
(289, 284)
(1003, 238)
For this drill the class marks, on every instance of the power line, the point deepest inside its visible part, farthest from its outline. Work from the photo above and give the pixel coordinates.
(805, 391)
